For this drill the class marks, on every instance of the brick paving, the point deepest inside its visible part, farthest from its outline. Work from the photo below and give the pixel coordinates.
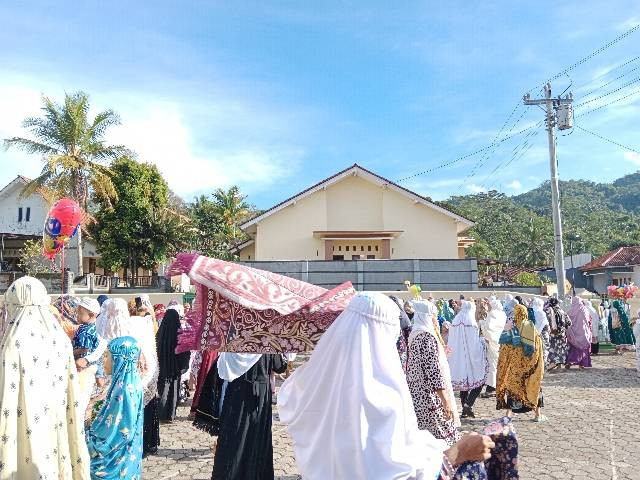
(591, 434)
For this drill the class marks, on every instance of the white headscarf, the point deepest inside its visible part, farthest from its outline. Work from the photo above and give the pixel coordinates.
(349, 410)
(41, 424)
(234, 365)
(494, 323)
(595, 319)
(115, 321)
(423, 318)
(538, 311)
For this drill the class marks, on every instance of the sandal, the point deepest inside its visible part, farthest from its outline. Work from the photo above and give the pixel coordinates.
(541, 419)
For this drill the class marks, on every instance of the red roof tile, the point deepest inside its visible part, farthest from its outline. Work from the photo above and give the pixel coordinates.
(621, 257)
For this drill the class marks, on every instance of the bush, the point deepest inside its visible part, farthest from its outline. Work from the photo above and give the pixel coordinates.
(33, 262)
(526, 279)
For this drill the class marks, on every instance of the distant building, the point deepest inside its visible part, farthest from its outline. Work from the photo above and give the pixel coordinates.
(22, 219)
(620, 266)
(355, 214)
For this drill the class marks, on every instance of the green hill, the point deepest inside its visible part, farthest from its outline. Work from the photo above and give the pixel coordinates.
(519, 229)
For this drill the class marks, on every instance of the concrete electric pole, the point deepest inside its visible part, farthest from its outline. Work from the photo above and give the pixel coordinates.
(560, 114)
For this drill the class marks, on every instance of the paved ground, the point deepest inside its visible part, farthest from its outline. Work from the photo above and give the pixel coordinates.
(592, 431)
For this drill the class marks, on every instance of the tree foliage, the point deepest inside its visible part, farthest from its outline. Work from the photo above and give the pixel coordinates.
(596, 218)
(73, 151)
(138, 230)
(215, 220)
(33, 262)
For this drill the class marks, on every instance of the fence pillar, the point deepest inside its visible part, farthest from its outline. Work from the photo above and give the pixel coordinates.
(305, 271)
(360, 286)
(91, 280)
(417, 277)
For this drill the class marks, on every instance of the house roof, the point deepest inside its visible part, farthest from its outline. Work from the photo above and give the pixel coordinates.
(24, 181)
(362, 172)
(621, 257)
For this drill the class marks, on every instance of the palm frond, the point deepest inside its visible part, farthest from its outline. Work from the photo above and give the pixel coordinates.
(30, 146)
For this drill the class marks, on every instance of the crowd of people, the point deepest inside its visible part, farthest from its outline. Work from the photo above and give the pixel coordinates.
(85, 384)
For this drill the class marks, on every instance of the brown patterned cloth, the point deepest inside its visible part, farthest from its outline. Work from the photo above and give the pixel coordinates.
(243, 309)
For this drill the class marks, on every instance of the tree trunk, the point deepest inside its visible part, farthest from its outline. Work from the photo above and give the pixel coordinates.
(80, 259)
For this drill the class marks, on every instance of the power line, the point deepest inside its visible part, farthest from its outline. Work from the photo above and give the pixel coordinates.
(597, 135)
(608, 72)
(635, 92)
(620, 37)
(609, 82)
(623, 86)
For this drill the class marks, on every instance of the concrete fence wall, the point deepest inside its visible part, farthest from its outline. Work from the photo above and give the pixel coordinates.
(380, 275)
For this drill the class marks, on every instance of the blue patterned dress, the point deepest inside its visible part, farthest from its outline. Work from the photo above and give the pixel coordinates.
(115, 436)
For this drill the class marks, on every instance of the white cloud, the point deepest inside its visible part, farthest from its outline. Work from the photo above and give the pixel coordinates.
(473, 188)
(197, 148)
(632, 157)
(515, 185)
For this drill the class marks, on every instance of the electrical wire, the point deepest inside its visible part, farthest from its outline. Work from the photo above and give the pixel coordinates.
(617, 67)
(609, 82)
(597, 135)
(606, 46)
(459, 159)
(623, 86)
(635, 92)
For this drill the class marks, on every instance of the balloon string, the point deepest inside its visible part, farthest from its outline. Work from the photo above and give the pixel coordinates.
(62, 268)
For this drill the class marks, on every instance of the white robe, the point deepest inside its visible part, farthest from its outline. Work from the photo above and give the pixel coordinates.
(468, 360)
(41, 425)
(636, 332)
(349, 410)
(492, 327)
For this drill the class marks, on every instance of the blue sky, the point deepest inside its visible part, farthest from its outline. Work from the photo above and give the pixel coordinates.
(275, 96)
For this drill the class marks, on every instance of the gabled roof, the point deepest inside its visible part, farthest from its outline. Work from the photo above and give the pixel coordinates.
(622, 257)
(361, 172)
(23, 182)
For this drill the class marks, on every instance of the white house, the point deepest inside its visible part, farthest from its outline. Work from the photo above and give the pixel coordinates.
(22, 219)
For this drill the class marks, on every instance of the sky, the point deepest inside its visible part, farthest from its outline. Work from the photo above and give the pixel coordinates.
(276, 96)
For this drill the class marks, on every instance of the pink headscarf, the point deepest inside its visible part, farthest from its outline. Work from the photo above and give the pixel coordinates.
(579, 333)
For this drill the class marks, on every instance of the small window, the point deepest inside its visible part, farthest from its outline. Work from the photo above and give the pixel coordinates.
(354, 248)
(28, 215)
(376, 248)
(371, 257)
(333, 248)
(347, 248)
(355, 257)
(362, 248)
(338, 257)
(249, 257)
(339, 248)
(19, 214)
(369, 248)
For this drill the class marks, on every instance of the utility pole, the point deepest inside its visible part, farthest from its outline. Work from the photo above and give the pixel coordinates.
(558, 113)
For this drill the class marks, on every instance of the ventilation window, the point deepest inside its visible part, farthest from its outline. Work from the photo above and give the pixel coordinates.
(362, 248)
(339, 248)
(369, 248)
(354, 248)
(376, 248)
(347, 248)
(19, 214)
(28, 215)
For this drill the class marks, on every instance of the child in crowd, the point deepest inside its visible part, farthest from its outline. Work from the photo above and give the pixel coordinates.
(88, 349)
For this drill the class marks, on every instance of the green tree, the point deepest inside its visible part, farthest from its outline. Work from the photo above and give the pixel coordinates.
(32, 261)
(526, 279)
(215, 222)
(232, 208)
(73, 150)
(139, 230)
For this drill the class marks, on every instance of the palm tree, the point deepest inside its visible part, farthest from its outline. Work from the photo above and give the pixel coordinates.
(231, 206)
(73, 151)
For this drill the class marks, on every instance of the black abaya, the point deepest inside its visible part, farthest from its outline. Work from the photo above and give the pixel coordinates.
(245, 449)
(151, 432)
(171, 365)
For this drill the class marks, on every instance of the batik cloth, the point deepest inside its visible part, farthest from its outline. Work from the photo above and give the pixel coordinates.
(115, 436)
(243, 309)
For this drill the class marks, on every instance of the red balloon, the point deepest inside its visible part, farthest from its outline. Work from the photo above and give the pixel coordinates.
(62, 223)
